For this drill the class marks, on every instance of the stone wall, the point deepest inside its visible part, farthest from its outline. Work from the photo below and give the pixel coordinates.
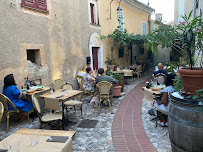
(61, 36)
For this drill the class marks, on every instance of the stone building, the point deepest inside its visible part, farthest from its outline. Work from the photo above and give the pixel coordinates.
(46, 40)
(135, 16)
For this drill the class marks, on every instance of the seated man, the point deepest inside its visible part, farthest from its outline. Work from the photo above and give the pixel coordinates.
(161, 70)
(104, 77)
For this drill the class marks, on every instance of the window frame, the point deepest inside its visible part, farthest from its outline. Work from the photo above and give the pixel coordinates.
(144, 28)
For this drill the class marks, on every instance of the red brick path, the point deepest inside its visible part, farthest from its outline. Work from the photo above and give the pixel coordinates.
(127, 130)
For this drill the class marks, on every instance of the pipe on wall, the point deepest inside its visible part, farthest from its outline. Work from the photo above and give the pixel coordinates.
(194, 9)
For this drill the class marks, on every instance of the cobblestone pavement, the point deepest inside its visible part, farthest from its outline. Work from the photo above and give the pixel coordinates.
(99, 138)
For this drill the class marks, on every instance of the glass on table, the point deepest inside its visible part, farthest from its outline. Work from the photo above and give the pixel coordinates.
(34, 139)
(155, 81)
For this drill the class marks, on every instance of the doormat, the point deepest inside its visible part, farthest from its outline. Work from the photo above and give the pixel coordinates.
(86, 123)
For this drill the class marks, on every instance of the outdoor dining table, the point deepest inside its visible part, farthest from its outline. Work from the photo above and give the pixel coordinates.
(52, 100)
(22, 138)
(148, 94)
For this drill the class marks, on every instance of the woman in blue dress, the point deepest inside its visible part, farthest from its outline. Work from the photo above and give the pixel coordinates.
(14, 94)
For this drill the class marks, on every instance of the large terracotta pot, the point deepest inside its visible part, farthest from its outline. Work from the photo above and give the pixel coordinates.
(192, 79)
(117, 91)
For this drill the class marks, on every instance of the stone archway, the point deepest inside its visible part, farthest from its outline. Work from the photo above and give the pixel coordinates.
(95, 42)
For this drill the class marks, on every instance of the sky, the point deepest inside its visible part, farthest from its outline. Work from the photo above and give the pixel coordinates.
(165, 7)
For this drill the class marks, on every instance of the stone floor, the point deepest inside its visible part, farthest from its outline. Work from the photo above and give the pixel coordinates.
(100, 137)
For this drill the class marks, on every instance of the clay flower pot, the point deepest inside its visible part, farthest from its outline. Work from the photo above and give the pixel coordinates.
(117, 91)
(192, 79)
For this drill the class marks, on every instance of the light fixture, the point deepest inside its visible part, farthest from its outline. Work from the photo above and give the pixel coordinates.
(119, 7)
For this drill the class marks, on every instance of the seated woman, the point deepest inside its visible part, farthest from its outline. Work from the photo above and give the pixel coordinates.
(89, 80)
(82, 72)
(164, 105)
(14, 94)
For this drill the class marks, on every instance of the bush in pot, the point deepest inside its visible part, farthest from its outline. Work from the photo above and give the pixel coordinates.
(186, 38)
(185, 118)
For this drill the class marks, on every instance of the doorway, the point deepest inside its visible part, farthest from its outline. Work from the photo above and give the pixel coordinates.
(95, 57)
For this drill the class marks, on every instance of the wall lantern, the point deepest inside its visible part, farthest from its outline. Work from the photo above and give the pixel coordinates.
(119, 9)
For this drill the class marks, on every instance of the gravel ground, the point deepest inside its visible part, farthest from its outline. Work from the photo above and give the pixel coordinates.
(99, 138)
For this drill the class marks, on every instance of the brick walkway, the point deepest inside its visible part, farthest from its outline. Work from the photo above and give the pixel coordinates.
(127, 130)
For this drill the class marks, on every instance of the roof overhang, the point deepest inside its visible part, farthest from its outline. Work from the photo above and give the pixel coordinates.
(139, 6)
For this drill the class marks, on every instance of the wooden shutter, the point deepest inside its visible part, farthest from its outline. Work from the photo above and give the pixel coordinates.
(29, 3)
(92, 12)
(42, 5)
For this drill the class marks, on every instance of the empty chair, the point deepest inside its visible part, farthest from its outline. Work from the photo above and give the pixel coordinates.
(72, 103)
(57, 84)
(46, 118)
(138, 71)
(8, 112)
(104, 92)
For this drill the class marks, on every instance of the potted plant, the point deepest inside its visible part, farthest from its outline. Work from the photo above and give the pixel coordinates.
(186, 38)
(185, 115)
(120, 81)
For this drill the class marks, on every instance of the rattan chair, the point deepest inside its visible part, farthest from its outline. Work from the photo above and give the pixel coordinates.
(8, 112)
(138, 71)
(46, 118)
(81, 82)
(57, 84)
(72, 103)
(161, 78)
(104, 89)
(1, 113)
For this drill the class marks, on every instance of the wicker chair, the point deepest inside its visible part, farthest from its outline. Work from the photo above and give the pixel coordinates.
(8, 112)
(47, 117)
(161, 78)
(72, 103)
(1, 113)
(103, 89)
(138, 71)
(57, 84)
(81, 82)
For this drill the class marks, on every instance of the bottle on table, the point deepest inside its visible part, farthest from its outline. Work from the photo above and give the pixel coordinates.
(28, 84)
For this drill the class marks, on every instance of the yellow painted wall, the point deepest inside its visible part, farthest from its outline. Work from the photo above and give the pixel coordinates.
(133, 23)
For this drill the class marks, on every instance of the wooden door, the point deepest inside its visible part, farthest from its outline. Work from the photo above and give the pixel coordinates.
(95, 57)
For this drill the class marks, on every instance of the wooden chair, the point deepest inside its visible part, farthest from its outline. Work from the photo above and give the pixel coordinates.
(1, 113)
(104, 89)
(161, 78)
(47, 117)
(81, 82)
(8, 112)
(57, 84)
(72, 103)
(138, 71)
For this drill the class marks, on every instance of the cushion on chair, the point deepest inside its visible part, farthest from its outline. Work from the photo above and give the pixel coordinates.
(72, 103)
(52, 117)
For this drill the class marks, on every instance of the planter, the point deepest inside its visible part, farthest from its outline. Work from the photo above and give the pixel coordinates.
(185, 125)
(192, 79)
(117, 91)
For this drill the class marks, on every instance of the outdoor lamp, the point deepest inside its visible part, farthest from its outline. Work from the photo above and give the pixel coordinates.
(119, 12)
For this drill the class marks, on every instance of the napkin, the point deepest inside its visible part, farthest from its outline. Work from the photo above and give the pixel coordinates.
(61, 139)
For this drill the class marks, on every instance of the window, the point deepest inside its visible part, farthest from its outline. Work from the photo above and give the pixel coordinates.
(144, 28)
(34, 56)
(141, 50)
(92, 13)
(121, 52)
(36, 4)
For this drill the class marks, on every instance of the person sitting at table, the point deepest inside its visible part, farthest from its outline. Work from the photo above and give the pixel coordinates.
(89, 80)
(104, 77)
(161, 70)
(82, 71)
(164, 105)
(14, 94)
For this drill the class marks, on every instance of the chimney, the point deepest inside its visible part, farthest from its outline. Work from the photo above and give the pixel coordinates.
(158, 17)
